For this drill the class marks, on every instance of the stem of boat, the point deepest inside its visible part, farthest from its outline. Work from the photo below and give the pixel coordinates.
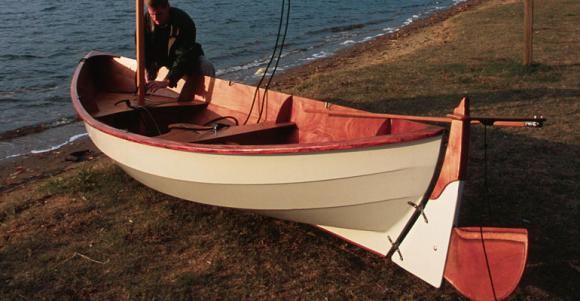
(534, 122)
(140, 51)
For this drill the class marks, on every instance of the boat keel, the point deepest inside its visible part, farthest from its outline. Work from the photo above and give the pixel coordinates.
(488, 268)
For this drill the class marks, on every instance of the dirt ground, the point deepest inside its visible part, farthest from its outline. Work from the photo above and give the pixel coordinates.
(74, 226)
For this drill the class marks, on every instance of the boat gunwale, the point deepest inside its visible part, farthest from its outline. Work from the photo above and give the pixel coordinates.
(351, 144)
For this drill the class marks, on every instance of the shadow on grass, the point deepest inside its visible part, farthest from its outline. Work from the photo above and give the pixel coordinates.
(530, 184)
(444, 103)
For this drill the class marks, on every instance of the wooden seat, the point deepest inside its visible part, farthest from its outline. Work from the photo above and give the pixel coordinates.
(253, 134)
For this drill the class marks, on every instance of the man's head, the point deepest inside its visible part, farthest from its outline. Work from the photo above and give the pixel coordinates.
(158, 11)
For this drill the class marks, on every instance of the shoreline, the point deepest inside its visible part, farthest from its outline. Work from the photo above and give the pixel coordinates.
(290, 76)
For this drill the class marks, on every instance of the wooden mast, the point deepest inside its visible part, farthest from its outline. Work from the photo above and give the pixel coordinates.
(140, 52)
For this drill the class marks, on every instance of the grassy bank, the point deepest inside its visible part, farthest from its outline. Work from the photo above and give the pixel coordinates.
(91, 232)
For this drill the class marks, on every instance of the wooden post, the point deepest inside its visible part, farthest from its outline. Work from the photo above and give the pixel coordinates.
(528, 31)
(140, 24)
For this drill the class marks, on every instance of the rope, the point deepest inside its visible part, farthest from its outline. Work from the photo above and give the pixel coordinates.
(485, 195)
(144, 108)
(222, 118)
(283, 9)
(277, 62)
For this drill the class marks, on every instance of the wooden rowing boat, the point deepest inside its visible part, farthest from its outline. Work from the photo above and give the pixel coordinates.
(387, 183)
(297, 163)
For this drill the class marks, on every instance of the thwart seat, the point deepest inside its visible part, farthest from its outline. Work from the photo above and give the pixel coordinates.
(261, 133)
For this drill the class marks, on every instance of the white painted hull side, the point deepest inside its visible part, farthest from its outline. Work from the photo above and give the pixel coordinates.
(355, 189)
(423, 252)
(425, 248)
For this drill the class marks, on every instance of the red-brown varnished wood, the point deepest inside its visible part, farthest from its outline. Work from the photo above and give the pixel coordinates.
(285, 112)
(505, 254)
(385, 128)
(399, 126)
(235, 99)
(274, 133)
(315, 133)
(455, 160)
(316, 125)
(384, 116)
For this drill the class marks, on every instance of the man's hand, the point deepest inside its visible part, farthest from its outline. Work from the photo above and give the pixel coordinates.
(153, 86)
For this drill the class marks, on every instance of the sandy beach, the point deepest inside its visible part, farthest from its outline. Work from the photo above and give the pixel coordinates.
(74, 226)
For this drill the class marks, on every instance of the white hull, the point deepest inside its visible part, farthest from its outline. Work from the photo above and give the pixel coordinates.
(424, 250)
(355, 189)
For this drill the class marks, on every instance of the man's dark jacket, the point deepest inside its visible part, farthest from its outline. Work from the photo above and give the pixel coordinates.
(172, 45)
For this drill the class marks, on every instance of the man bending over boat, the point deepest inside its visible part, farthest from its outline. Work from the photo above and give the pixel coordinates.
(170, 42)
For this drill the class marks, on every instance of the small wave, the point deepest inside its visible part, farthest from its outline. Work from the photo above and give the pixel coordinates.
(260, 72)
(247, 66)
(366, 39)
(40, 104)
(8, 96)
(412, 6)
(50, 8)
(348, 42)
(48, 149)
(235, 53)
(231, 21)
(258, 63)
(379, 21)
(12, 156)
(253, 64)
(12, 56)
(37, 128)
(33, 88)
(60, 77)
(391, 29)
(410, 20)
(338, 29)
(55, 147)
(51, 100)
(318, 55)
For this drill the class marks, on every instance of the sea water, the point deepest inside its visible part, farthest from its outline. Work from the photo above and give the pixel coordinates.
(41, 42)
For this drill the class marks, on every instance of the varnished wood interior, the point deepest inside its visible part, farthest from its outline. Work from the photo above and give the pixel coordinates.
(106, 89)
(268, 133)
